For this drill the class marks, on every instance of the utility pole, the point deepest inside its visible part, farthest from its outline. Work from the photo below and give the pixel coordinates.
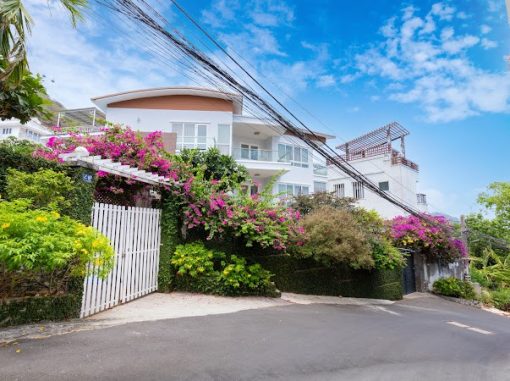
(464, 238)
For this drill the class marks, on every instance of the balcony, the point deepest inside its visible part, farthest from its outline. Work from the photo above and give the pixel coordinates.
(320, 170)
(260, 162)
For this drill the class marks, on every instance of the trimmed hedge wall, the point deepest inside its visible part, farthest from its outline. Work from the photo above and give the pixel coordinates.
(170, 238)
(35, 309)
(309, 277)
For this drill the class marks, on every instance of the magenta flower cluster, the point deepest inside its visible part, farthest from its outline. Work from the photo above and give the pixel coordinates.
(205, 205)
(431, 235)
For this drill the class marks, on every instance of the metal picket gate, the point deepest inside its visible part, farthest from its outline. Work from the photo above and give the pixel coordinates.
(134, 234)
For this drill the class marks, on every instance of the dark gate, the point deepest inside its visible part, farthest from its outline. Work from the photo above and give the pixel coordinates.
(408, 276)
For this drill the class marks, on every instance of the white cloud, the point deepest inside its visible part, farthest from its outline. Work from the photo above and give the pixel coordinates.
(326, 80)
(485, 29)
(443, 11)
(77, 69)
(488, 44)
(430, 66)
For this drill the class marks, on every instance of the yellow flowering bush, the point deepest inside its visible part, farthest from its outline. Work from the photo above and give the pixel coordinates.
(44, 245)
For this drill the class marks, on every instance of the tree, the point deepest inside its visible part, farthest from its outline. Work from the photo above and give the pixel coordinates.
(23, 100)
(15, 26)
(491, 233)
(498, 201)
(22, 94)
(215, 166)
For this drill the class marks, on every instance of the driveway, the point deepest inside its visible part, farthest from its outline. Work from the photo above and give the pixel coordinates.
(423, 338)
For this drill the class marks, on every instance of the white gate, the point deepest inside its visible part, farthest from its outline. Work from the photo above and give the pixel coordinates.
(134, 234)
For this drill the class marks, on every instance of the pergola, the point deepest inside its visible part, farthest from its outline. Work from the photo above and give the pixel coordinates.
(80, 156)
(375, 142)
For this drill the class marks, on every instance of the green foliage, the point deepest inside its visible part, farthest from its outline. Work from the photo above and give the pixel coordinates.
(239, 278)
(497, 199)
(491, 270)
(45, 189)
(454, 287)
(18, 154)
(501, 299)
(195, 260)
(35, 242)
(201, 269)
(308, 203)
(215, 166)
(23, 100)
(334, 236)
(386, 256)
(170, 238)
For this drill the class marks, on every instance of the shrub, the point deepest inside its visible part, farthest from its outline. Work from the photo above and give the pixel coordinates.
(201, 269)
(238, 278)
(334, 236)
(386, 256)
(45, 188)
(308, 203)
(37, 244)
(215, 166)
(454, 287)
(501, 299)
(433, 236)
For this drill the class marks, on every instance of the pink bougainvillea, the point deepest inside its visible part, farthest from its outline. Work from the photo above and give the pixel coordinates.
(205, 204)
(431, 235)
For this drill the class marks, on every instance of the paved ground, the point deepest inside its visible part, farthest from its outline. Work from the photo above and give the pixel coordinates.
(423, 338)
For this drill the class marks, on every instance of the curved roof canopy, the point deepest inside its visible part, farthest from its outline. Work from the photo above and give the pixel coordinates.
(103, 101)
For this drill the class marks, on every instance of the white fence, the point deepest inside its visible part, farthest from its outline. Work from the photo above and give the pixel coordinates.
(134, 234)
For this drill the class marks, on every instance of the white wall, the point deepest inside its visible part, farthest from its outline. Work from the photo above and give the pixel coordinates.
(402, 182)
(161, 120)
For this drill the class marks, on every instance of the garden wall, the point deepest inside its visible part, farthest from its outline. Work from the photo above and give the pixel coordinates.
(309, 277)
(33, 309)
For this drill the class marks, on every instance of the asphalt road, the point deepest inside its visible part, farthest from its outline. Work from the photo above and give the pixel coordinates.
(421, 339)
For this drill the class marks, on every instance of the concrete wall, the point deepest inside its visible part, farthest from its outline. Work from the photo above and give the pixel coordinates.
(402, 183)
(427, 273)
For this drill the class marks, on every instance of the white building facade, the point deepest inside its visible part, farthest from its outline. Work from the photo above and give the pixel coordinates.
(33, 130)
(375, 157)
(204, 118)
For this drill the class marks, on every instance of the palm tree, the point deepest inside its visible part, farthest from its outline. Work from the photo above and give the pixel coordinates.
(15, 26)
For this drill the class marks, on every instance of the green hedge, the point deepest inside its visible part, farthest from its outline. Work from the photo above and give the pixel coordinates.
(309, 277)
(170, 238)
(35, 309)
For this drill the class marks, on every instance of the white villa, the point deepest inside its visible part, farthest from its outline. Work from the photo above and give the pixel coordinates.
(202, 118)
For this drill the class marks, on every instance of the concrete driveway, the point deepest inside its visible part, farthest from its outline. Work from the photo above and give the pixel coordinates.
(423, 338)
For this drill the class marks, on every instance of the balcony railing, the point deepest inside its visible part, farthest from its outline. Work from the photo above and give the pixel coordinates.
(320, 170)
(255, 154)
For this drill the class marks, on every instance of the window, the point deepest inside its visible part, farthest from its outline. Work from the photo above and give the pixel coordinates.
(319, 186)
(384, 186)
(223, 143)
(250, 152)
(358, 191)
(297, 156)
(339, 190)
(421, 198)
(190, 135)
(293, 189)
(6, 131)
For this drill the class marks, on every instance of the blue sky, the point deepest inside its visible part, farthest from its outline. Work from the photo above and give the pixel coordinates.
(438, 68)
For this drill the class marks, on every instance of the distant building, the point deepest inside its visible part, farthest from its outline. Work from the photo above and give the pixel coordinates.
(375, 157)
(33, 130)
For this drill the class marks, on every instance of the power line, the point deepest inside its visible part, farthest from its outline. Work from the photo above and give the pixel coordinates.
(136, 13)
